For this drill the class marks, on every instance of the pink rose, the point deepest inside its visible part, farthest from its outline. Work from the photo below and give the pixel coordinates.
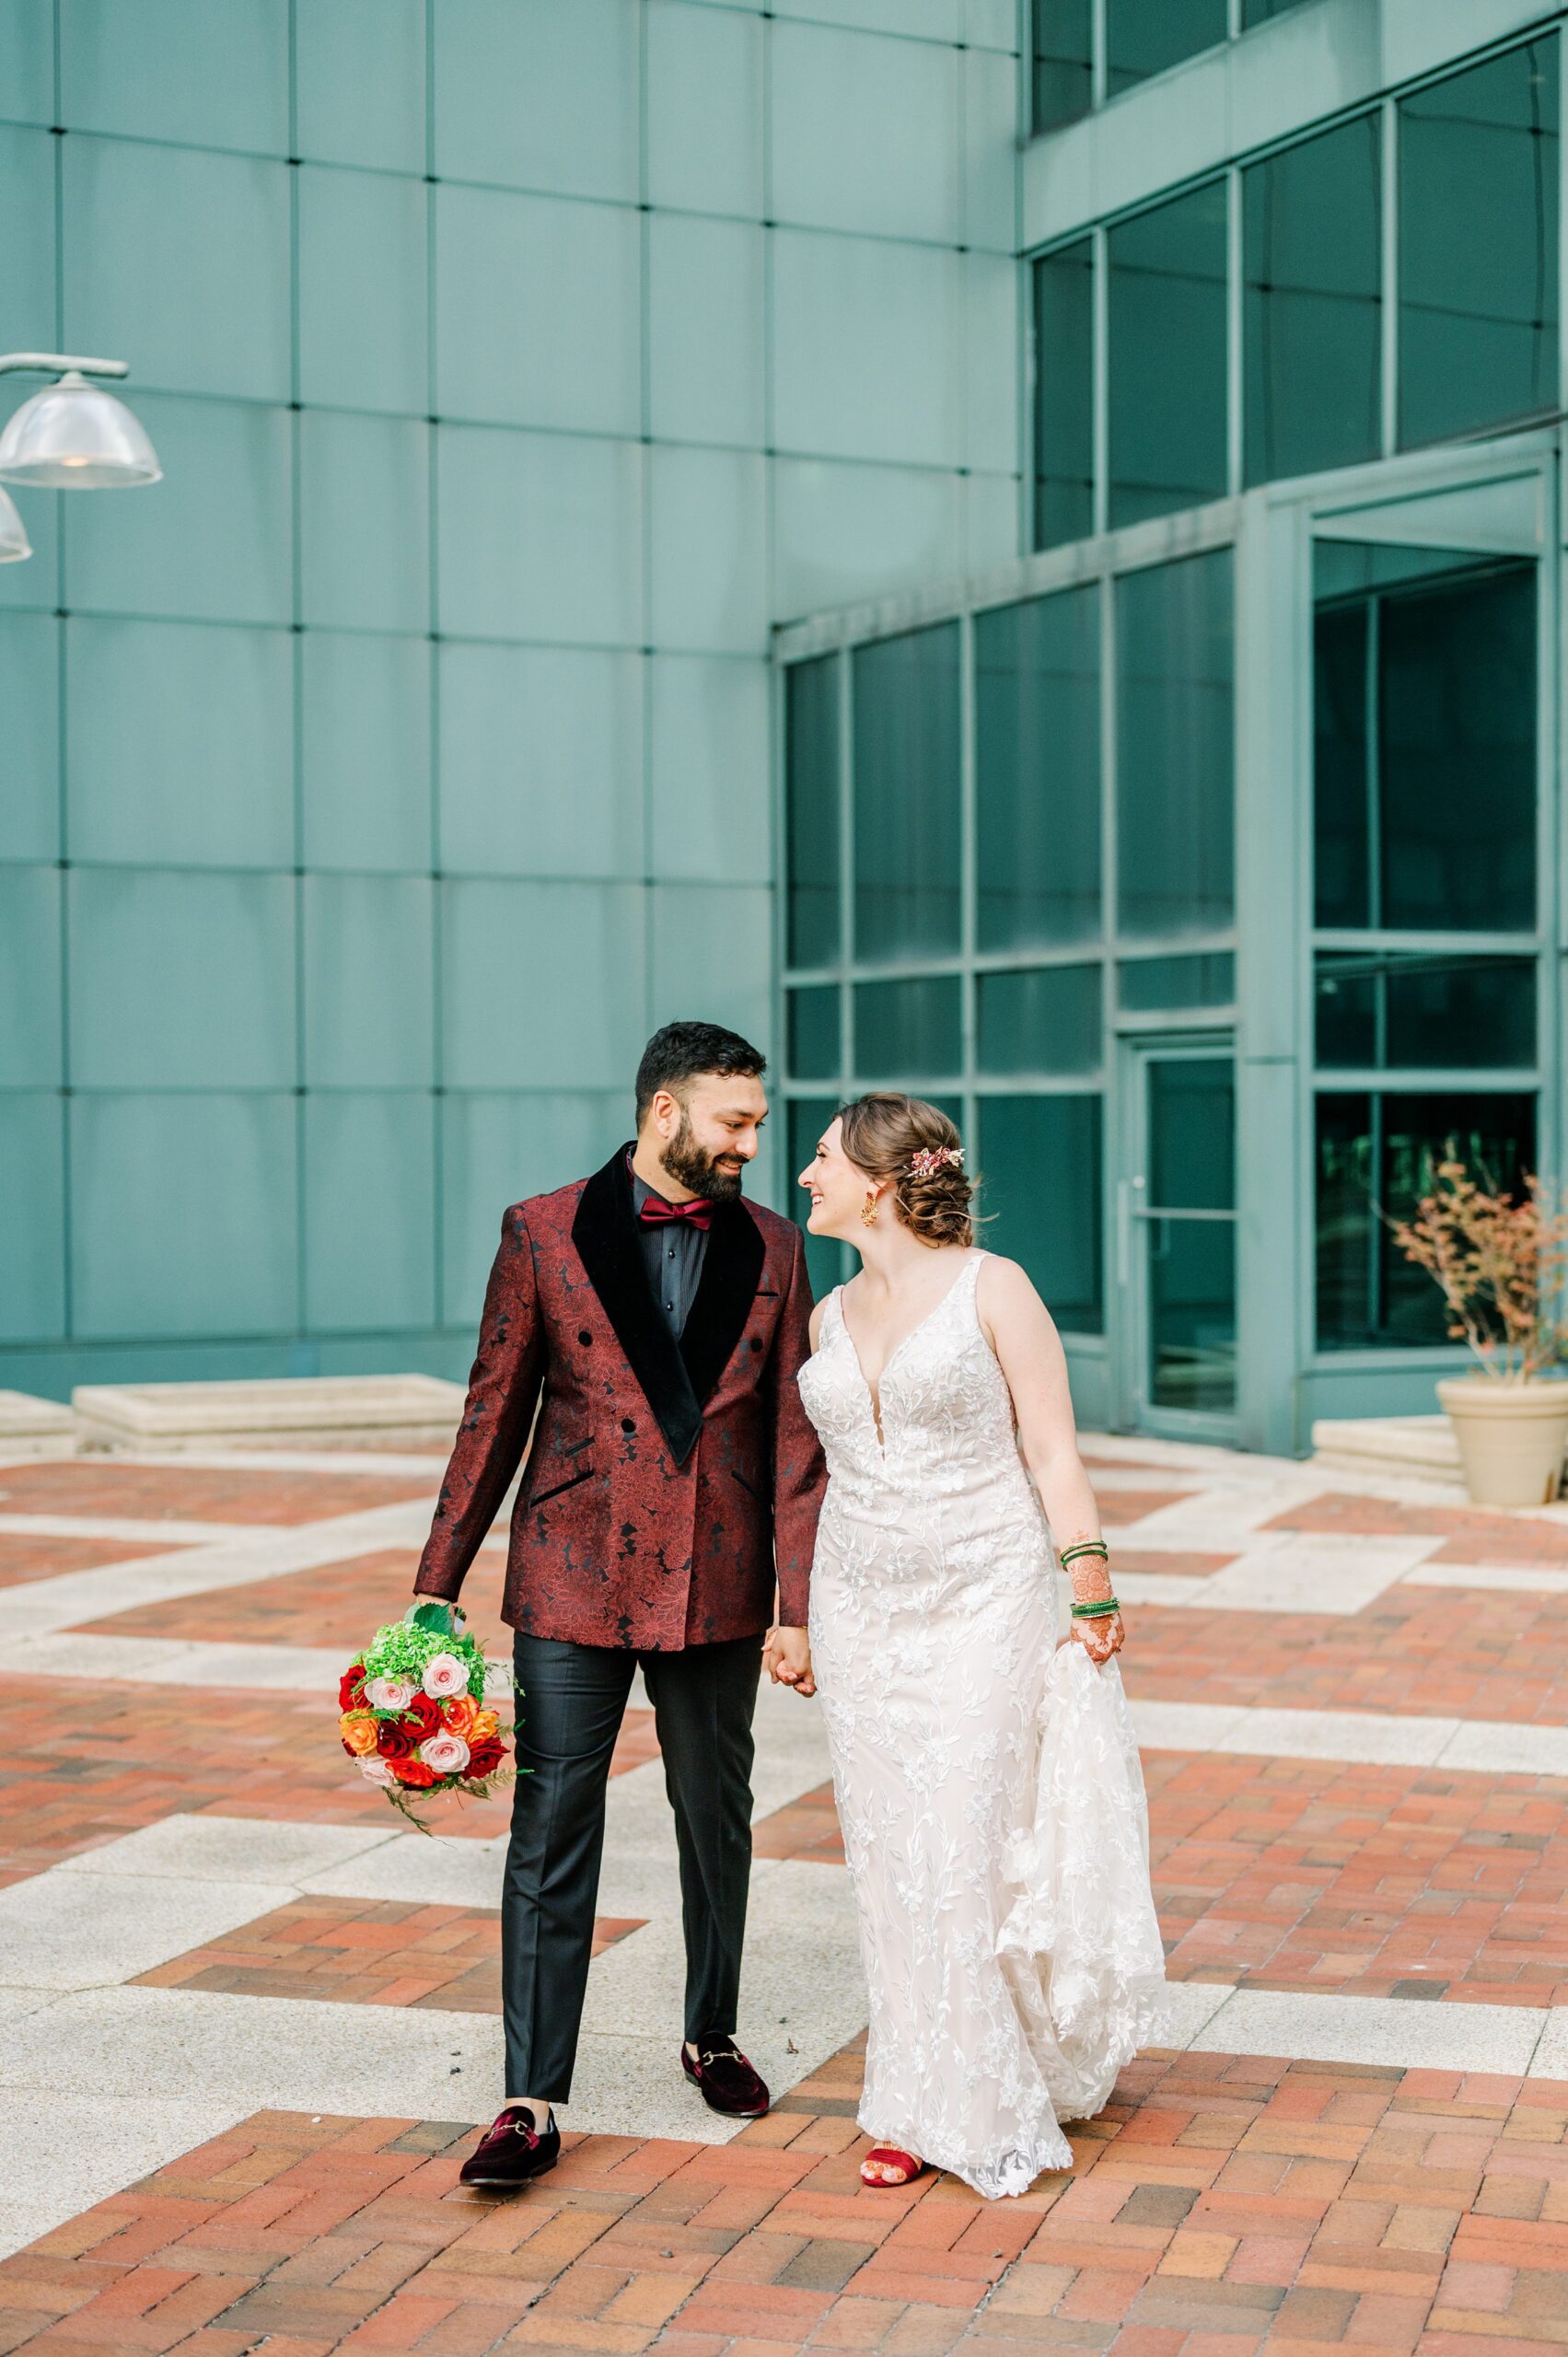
(445, 1674)
(448, 1754)
(376, 1771)
(388, 1693)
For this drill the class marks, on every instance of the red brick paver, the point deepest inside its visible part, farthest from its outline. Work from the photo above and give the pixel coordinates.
(1371, 1882)
(1442, 1652)
(364, 1952)
(1219, 2206)
(84, 1763)
(199, 1492)
(1471, 1533)
(1307, 1873)
(332, 1604)
(25, 1557)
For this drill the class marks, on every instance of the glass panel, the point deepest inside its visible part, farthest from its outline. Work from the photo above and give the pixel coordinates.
(1193, 1315)
(908, 1030)
(906, 794)
(1039, 1158)
(1397, 1009)
(811, 800)
(1167, 365)
(814, 1049)
(1147, 985)
(1038, 772)
(1192, 1133)
(1478, 245)
(1340, 568)
(1064, 396)
(1341, 863)
(1458, 705)
(1050, 1020)
(1175, 785)
(1256, 12)
(1375, 1159)
(1062, 80)
(806, 1118)
(1313, 336)
(1143, 37)
(1439, 679)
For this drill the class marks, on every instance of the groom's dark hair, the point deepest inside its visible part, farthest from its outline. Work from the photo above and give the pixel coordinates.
(680, 1050)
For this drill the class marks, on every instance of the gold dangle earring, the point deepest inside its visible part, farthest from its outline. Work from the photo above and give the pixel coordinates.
(868, 1208)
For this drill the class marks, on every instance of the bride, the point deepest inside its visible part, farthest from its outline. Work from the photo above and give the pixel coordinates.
(988, 1784)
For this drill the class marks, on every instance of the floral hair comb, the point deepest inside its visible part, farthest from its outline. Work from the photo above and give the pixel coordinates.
(935, 1158)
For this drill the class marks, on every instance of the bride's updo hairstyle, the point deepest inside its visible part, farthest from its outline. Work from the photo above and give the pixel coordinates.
(891, 1136)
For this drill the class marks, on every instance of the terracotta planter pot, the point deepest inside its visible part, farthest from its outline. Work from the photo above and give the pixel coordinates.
(1511, 1438)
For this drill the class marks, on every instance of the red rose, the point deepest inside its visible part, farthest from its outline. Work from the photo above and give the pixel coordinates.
(413, 1772)
(485, 1756)
(395, 1741)
(426, 1716)
(351, 1688)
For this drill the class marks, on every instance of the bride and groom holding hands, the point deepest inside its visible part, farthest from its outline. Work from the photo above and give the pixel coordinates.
(891, 1467)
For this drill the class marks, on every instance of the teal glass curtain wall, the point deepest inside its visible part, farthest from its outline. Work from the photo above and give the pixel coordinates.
(375, 784)
(1285, 256)
(996, 761)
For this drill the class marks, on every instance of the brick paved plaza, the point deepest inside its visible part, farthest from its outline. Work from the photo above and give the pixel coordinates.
(247, 2020)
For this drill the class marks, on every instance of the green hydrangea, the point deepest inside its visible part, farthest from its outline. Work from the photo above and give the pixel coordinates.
(404, 1649)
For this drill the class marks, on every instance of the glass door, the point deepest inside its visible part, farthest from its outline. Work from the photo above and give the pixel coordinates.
(1176, 1239)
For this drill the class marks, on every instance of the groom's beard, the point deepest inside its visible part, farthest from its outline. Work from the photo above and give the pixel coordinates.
(692, 1169)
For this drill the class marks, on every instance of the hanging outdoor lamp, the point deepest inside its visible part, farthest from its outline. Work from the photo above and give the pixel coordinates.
(73, 435)
(14, 541)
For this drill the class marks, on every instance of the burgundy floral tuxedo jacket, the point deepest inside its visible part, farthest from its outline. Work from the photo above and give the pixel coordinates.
(668, 1482)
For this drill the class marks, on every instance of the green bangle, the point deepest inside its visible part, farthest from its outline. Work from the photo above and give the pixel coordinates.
(1095, 1611)
(1086, 1547)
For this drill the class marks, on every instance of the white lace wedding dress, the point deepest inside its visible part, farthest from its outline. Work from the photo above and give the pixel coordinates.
(988, 1785)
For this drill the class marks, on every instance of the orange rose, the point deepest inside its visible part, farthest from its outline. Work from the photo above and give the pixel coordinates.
(485, 1725)
(358, 1730)
(460, 1711)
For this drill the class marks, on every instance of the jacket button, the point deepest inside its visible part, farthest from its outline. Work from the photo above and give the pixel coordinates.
(584, 1338)
(756, 1343)
(628, 1424)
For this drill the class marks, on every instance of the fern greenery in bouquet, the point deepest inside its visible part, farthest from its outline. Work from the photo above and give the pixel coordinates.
(412, 1712)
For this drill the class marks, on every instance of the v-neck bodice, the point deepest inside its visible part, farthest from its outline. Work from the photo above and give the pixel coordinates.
(941, 1408)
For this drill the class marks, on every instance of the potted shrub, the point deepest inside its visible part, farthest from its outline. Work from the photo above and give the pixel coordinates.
(1499, 1260)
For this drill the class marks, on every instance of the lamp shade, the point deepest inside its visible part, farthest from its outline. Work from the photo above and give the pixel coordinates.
(74, 437)
(14, 541)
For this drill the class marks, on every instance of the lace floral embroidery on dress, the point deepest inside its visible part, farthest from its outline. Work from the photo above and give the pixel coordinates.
(988, 1787)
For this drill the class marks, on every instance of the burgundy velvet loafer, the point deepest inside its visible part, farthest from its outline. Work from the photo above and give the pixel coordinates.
(726, 2080)
(513, 2151)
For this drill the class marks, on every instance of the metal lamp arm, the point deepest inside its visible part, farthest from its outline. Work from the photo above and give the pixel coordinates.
(56, 364)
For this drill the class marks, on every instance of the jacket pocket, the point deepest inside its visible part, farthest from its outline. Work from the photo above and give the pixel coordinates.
(538, 1497)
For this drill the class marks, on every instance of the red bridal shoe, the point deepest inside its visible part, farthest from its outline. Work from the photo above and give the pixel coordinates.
(889, 2156)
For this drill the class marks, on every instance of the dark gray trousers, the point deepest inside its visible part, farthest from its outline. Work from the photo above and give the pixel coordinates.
(572, 1703)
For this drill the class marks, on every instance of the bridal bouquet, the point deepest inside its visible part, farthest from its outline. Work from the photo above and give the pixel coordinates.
(411, 1711)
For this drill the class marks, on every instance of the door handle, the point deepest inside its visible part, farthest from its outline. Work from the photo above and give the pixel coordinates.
(1125, 1190)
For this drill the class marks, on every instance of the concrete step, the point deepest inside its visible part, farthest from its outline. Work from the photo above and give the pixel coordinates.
(1417, 1447)
(31, 1427)
(381, 1411)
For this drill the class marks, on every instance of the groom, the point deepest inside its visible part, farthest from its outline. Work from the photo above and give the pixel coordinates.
(655, 1321)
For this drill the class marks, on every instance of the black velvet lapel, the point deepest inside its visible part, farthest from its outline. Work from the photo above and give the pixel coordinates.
(605, 1233)
(717, 1319)
(676, 1377)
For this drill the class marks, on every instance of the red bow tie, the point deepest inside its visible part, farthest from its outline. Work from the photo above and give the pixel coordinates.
(655, 1212)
